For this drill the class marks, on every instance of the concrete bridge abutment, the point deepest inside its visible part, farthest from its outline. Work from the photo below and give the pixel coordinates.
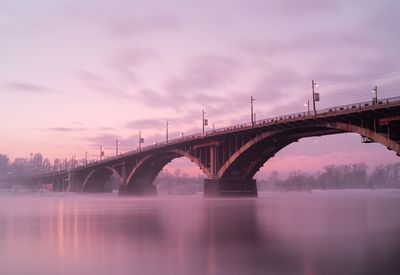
(230, 187)
(139, 190)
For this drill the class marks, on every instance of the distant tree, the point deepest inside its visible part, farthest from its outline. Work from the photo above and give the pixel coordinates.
(395, 175)
(4, 165)
(378, 177)
(358, 176)
(385, 176)
(37, 161)
(4, 160)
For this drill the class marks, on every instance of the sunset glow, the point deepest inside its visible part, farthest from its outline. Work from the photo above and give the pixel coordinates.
(76, 75)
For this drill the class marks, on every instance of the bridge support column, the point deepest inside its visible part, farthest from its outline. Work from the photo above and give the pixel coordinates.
(140, 187)
(137, 190)
(230, 187)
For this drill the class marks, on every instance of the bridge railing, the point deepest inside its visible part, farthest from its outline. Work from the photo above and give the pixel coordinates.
(247, 125)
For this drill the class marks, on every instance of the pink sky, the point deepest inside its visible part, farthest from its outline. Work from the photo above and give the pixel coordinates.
(75, 75)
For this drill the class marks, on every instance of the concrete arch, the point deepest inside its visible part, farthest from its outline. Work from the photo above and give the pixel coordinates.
(111, 169)
(322, 129)
(256, 165)
(169, 156)
(224, 168)
(384, 140)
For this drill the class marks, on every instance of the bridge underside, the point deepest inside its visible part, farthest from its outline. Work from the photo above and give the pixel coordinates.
(230, 160)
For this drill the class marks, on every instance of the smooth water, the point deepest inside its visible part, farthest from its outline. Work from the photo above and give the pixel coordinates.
(335, 232)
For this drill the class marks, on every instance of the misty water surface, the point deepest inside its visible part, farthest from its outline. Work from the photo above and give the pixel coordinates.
(335, 232)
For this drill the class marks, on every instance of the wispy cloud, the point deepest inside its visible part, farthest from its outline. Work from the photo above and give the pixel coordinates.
(146, 124)
(204, 72)
(104, 140)
(25, 87)
(100, 84)
(63, 129)
(133, 26)
(128, 62)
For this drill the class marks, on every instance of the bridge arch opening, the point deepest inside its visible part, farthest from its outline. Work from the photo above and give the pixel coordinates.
(104, 179)
(141, 179)
(180, 177)
(319, 161)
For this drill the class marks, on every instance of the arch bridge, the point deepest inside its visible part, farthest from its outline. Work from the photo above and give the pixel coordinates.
(231, 156)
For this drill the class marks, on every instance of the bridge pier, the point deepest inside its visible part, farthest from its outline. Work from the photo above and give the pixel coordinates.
(230, 187)
(137, 190)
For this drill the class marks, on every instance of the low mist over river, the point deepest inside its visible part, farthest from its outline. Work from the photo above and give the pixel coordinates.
(319, 232)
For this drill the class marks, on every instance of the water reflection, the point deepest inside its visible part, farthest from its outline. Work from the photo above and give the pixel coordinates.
(277, 234)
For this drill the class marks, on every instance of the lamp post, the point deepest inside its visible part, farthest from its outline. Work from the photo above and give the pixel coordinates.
(166, 131)
(141, 140)
(375, 98)
(116, 147)
(101, 153)
(307, 104)
(204, 120)
(315, 96)
(251, 110)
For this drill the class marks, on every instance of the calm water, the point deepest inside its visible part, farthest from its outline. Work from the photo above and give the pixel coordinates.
(337, 232)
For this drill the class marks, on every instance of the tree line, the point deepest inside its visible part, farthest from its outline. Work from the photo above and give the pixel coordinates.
(351, 176)
(37, 164)
(331, 177)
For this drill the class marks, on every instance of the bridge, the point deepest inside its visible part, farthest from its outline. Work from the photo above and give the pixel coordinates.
(231, 156)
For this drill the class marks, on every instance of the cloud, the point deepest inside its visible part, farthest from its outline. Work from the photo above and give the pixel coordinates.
(133, 26)
(100, 84)
(64, 129)
(24, 87)
(106, 140)
(143, 124)
(105, 128)
(152, 98)
(127, 63)
(203, 73)
(304, 7)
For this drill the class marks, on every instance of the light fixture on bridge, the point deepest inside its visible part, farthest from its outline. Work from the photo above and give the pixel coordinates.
(141, 140)
(252, 99)
(204, 120)
(375, 98)
(307, 104)
(167, 125)
(315, 95)
(101, 152)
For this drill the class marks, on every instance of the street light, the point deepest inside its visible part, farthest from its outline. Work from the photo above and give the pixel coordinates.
(204, 120)
(251, 110)
(315, 95)
(141, 140)
(167, 125)
(101, 153)
(375, 98)
(307, 104)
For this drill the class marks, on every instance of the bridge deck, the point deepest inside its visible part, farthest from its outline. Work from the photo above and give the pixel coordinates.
(332, 112)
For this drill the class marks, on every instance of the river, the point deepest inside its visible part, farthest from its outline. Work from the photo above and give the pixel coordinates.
(322, 232)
